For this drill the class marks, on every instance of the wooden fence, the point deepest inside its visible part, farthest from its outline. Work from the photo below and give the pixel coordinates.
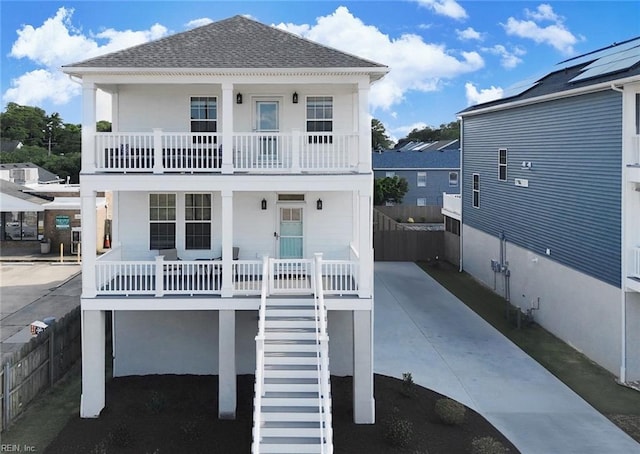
(428, 214)
(408, 245)
(38, 365)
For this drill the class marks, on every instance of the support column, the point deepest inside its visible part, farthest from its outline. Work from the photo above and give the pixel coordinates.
(364, 408)
(227, 244)
(88, 127)
(89, 241)
(365, 245)
(93, 369)
(364, 128)
(227, 127)
(227, 364)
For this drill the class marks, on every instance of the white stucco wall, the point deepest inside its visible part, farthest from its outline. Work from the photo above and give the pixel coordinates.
(580, 310)
(328, 230)
(141, 108)
(186, 342)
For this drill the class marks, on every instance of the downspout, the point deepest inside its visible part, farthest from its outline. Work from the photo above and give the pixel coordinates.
(623, 266)
(461, 180)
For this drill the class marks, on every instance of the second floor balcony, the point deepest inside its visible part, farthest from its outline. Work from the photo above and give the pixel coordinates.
(254, 152)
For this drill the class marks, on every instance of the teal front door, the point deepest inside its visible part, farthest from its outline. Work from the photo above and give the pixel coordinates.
(291, 233)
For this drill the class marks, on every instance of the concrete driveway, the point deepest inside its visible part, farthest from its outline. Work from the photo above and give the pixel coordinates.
(422, 328)
(34, 291)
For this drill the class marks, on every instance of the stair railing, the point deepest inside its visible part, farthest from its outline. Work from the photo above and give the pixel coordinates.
(322, 339)
(259, 384)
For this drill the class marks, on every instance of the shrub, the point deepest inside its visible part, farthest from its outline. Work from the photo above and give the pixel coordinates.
(407, 385)
(410, 220)
(449, 411)
(156, 402)
(487, 445)
(397, 430)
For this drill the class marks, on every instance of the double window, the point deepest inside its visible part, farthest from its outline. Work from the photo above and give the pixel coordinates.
(320, 119)
(422, 179)
(502, 164)
(476, 190)
(163, 221)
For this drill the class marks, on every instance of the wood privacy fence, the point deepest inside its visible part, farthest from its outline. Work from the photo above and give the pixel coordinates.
(38, 365)
(408, 245)
(429, 214)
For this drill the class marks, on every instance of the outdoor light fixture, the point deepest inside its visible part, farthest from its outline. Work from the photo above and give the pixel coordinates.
(295, 98)
(263, 204)
(319, 204)
(239, 98)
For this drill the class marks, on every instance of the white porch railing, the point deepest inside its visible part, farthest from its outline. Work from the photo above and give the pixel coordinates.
(293, 276)
(160, 277)
(160, 152)
(635, 263)
(260, 338)
(322, 339)
(452, 203)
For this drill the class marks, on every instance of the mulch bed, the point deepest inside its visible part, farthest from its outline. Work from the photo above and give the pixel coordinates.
(163, 414)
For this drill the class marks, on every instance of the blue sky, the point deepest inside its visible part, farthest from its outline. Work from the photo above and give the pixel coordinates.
(444, 54)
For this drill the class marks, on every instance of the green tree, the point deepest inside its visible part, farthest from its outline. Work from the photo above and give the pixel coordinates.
(379, 138)
(69, 139)
(103, 126)
(24, 123)
(448, 131)
(389, 189)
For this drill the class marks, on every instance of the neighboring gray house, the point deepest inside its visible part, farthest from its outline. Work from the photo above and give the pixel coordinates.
(27, 173)
(551, 202)
(429, 168)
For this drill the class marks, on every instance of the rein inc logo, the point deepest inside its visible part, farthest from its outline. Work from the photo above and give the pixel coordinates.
(5, 447)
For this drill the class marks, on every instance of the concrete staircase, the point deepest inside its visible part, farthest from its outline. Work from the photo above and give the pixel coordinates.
(292, 416)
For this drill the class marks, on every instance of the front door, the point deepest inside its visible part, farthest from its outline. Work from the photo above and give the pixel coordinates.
(267, 121)
(291, 233)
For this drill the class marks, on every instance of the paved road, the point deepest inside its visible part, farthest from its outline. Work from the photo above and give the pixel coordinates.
(34, 291)
(422, 328)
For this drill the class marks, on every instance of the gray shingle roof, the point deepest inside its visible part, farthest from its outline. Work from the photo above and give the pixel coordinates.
(44, 176)
(15, 190)
(446, 159)
(236, 42)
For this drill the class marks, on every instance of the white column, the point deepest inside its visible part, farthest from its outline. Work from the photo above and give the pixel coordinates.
(89, 240)
(364, 128)
(365, 245)
(227, 127)
(88, 127)
(227, 243)
(227, 365)
(93, 370)
(363, 402)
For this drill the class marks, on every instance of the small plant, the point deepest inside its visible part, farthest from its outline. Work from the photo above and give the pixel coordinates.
(487, 445)
(407, 389)
(449, 411)
(399, 220)
(397, 430)
(120, 436)
(156, 402)
(410, 220)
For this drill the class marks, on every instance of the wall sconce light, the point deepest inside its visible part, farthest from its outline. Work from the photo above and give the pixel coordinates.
(295, 98)
(319, 204)
(239, 98)
(263, 204)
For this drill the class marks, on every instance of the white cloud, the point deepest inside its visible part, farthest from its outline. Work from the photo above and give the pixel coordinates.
(484, 95)
(404, 130)
(57, 42)
(469, 34)
(198, 22)
(555, 35)
(508, 59)
(449, 8)
(415, 64)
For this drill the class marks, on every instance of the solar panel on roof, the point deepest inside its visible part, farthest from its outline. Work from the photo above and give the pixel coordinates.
(521, 87)
(611, 63)
(592, 56)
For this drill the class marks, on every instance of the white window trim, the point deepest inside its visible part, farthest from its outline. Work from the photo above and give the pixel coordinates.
(389, 174)
(198, 221)
(424, 184)
(205, 119)
(307, 119)
(500, 165)
(457, 178)
(156, 221)
(423, 199)
(474, 190)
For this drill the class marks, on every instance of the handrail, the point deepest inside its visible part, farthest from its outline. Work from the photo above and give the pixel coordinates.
(322, 339)
(260, 357)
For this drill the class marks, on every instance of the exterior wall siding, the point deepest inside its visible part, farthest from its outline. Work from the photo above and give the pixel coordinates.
(437, 183)
(572, 203)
